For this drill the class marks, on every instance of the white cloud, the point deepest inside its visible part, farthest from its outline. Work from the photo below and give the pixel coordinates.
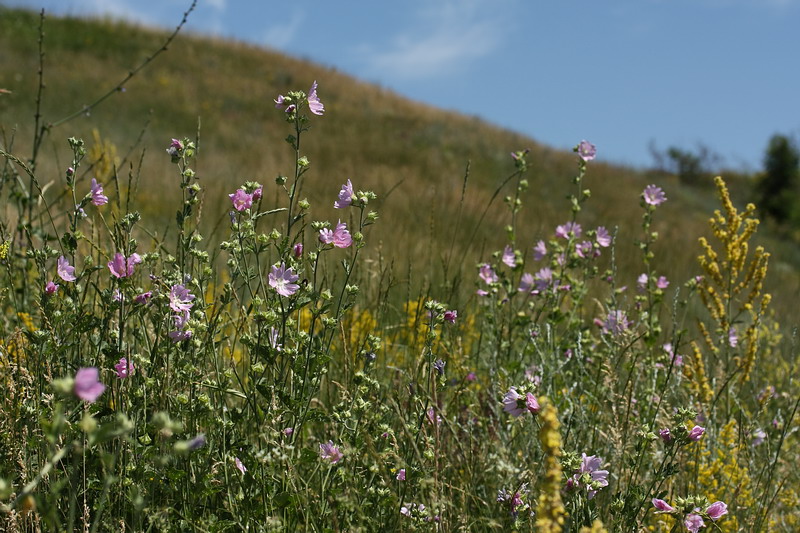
(118, 9)
(447, 36)
(220, 5)
(281, 36)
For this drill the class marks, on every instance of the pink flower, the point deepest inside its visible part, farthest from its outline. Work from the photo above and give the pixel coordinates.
(65, 271)
(662, 506)
(241, 200)
(602, 236)
(531, 403)
(585, 249)
(516, 404)
(433, 418)
(50, 288)
(487, 274)
(508, 257)
(539, 251)
(716, 510)
(98, 198)
(451, 316)
(181, 333)
(590, 468)
(401, 474)
(283, 279)
(330, 453)
(693, 522)
(525, 283)
(239, 465)
(654, 195)
(87, 384)
(696, 433)
(298, 250)
(615, 323)
(281, 103)
(733, 338)
(124, 368)
(180, 299)
(339, 237)
(143, 298)
(346, 196)
(258, 192)
(641, 281)
(662, 283)
(586, 150)
(122, 268)
(314, 105)
(665, 435)
(175, 150)
(570, 229)
(543, 278)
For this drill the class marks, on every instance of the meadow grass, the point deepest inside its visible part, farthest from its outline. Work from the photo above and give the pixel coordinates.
(195, 338)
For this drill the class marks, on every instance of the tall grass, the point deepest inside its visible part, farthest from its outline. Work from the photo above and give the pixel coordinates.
(442, 351)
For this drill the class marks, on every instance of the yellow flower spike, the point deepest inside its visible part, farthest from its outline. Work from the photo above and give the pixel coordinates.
(597, 527)
(550, 511)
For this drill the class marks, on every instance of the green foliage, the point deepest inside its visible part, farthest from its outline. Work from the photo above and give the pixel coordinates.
(777, 188)
(268, 379)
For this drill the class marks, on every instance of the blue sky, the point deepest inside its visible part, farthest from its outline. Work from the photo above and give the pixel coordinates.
(620, 73)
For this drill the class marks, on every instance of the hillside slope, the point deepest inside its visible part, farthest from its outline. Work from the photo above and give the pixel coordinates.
(413, 156)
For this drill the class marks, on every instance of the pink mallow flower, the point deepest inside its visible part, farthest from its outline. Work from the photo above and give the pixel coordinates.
(590, 474)
(733, 338)
(180, 299)
(586, 150)
(283, 279)
(716, 510)
(508, 257)
(451, 316)
(662, 282)
(143, 298)
(87, 384)
(65, 270)
(241, 200)
(602, 237)
(338, 237)
(121, 267)
(98, 198)
(616, 323)
(175, 149)
(693, 522)
(401, 474)
(346, 196)
(51, 288)
(487, 274)
(570, 229)
(314, 105)
(653, 195)
(330, 453)
(516, 404)
(124, 368)
(540, 251)
(696, 433)
(239, 465)
(525, 282)
(662, 506)
(181, 333)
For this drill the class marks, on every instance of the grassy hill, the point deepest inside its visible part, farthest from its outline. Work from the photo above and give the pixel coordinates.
(412, 155)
